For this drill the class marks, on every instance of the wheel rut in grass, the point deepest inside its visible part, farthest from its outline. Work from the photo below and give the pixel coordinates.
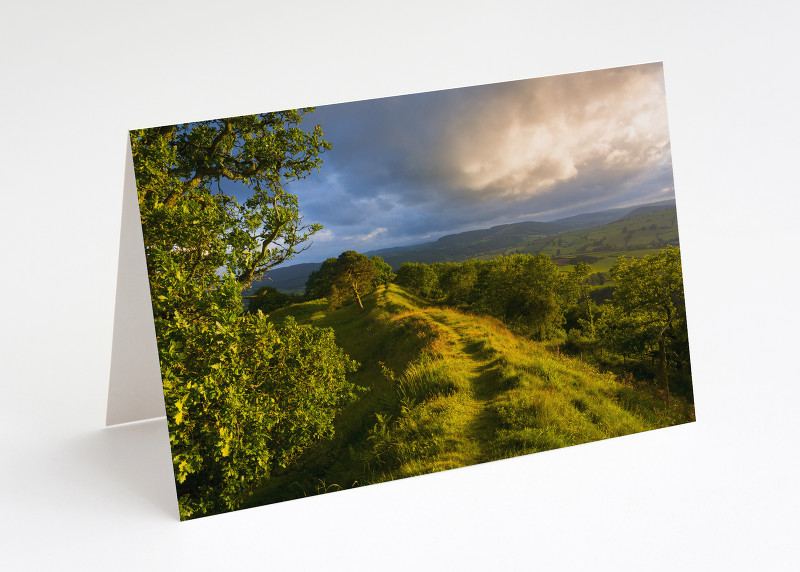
(474, 351)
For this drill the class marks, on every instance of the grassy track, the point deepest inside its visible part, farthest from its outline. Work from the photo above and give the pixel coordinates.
(445, 389)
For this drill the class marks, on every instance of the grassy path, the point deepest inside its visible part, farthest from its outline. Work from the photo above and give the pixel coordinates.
(448, 389)
(488, 394)
(456, 428)
(480, 419)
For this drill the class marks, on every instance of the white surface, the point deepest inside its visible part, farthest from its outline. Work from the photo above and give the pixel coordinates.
(718, 494)
(135, 391)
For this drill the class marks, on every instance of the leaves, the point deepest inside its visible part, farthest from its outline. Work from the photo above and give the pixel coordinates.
(243, 396)
(261, 394)
(351, 275)
(179, 168)
(648, 304)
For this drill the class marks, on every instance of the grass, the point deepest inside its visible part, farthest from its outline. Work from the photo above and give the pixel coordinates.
(445, 389)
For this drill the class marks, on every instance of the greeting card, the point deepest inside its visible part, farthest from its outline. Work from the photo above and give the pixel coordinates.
(382, 289)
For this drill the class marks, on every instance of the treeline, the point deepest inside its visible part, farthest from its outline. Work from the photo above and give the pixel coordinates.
(637, 322)
(527, 292)
(639, 318)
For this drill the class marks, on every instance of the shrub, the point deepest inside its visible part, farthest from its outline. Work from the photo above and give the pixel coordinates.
(243, 397)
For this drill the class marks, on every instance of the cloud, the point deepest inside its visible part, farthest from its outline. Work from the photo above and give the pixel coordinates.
(517, 140)
(367, 237)
(408, 167)
(324, 236)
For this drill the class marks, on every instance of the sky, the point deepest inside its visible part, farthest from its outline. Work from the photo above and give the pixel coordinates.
(412, 168)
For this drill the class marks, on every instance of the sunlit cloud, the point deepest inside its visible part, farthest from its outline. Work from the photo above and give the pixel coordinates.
(412, 168)
(367, 237)
(538, 134)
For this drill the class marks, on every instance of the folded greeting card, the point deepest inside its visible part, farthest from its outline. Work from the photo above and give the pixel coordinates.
(381, 289)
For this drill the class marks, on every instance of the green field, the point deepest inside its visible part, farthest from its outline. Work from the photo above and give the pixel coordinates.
(444, 389)
(589, 238)
(600, 246)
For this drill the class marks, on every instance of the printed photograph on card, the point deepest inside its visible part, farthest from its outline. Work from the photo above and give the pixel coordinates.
(367, 291)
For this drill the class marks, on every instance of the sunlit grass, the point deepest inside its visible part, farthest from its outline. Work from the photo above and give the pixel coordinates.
(446, 389)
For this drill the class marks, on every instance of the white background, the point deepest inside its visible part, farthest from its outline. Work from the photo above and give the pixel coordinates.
(719, 494)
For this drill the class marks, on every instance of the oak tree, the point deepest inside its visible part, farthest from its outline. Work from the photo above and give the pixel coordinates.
(353, 274)
(184, 167)
(649, 294)
(243, 396)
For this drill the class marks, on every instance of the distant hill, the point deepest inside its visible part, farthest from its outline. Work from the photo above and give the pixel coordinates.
(647, 209)
(286, 279)
(636, 235)
(464, 245)
(498, 239)
(521, 237)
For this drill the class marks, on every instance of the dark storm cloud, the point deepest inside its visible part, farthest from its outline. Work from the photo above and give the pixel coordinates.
(411, 168)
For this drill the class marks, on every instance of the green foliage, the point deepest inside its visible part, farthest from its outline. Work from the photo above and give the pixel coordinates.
(527, 292)
(457, 281)
(578, 293)
(383, 272)
(418, 278)
(244, 396)
(350, 276)
(178, 166)
(627, 334)
(319, 282)
(648, 311)
(267, 299)
(532, 296)
(650, 284)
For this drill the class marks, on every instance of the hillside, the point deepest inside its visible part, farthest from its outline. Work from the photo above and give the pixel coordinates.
(464, 245)
(444, 389)
(286, 279)
(644, 231)
(598, 235)
(486, 243)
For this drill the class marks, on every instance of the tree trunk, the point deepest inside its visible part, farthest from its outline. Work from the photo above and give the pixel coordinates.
(662, 364)
(358, 299)
(662, 354)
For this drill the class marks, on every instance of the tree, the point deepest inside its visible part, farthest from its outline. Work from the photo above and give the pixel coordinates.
(649, 293)
(268, 299)
(318, 283)
(178, 167)
(526, 292)
(580, 276)
(626, 333)
(458, 281)
(383, 272)
(349, 274)
(353, 274)
(243, 396)
(417, 277)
